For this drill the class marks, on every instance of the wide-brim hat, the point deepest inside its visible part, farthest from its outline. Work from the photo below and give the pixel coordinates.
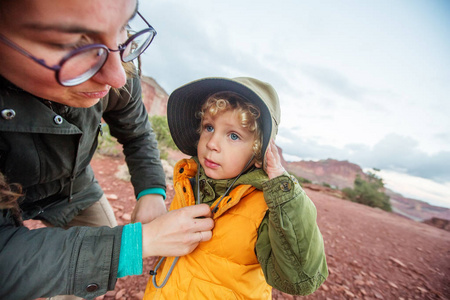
(186, 101)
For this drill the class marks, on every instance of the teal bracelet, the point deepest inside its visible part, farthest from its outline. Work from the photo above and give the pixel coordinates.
(158, 191)
(130, 259)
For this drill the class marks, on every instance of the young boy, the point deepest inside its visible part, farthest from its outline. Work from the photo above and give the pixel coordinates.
(265, 232)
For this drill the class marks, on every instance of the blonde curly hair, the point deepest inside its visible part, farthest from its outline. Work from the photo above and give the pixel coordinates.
(248, 115)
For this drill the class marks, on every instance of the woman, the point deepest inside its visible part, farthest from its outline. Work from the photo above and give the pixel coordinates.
(61, 71)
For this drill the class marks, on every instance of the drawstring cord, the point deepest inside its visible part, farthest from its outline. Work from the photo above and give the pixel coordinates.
(197, 201)
(153, 272)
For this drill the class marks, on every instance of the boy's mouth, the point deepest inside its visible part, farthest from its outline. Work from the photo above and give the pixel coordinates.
(211, 164)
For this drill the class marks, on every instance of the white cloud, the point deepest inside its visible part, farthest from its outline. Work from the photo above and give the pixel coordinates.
(434, 193)
(393, 152)
(359, 81)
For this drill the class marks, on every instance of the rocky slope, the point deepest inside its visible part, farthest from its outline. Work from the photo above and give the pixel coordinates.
(371, 254)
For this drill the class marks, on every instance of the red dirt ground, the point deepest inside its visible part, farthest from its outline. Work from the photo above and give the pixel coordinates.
(371, 254)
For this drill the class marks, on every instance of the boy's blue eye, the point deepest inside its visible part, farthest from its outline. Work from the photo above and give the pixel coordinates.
(209, 128)
(234, 136)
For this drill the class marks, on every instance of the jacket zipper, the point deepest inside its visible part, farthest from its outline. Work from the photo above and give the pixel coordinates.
(74, 172)
(71, 188)
(100, 128)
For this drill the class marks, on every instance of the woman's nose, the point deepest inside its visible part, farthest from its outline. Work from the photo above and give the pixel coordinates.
(112, 73)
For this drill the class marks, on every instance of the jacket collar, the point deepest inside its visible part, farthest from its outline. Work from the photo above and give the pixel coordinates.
(211, 189)
(30, 113)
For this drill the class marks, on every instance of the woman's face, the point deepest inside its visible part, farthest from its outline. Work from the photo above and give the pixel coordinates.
(49, 29)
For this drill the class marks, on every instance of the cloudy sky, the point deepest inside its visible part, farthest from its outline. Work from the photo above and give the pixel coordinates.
(363, 81)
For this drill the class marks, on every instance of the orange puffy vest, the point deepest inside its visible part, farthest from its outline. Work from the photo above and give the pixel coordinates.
(226, 266)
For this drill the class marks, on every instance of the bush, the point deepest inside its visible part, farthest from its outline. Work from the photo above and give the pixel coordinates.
(161, 129)
(369, 192)
(106, 142)
(301, 179)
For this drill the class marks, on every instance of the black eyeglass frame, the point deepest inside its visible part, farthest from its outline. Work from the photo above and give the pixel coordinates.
(56, 68)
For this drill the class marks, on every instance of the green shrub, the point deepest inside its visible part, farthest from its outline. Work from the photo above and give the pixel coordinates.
(326, 185)
(302, 180)
(369, 192)
(107, 144)
(161, 129)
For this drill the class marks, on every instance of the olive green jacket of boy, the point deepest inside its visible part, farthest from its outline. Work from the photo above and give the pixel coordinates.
(289, 245)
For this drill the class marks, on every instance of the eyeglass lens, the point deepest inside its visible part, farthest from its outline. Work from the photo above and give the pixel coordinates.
(137, 45)
(84, 64)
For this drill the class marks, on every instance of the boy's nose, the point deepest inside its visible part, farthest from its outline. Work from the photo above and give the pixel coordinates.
(213, 144)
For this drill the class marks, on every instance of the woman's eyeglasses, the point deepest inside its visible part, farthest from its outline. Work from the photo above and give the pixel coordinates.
(83, 63)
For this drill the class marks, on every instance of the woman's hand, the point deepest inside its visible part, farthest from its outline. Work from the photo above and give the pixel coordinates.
(177, 232)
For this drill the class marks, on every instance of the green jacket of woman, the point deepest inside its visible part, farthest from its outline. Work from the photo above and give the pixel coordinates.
(47, 147)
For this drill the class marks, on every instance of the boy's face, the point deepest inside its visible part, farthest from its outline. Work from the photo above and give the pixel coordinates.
(225, 146)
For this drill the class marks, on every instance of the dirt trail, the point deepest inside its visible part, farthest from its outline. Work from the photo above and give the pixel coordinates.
(371, 254)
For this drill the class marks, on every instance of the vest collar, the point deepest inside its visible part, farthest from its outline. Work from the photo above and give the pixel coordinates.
(211, 189)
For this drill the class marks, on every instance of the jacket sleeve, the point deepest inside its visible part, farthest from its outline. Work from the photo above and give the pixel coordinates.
(128, 121)
(290, 247)
(81, 261)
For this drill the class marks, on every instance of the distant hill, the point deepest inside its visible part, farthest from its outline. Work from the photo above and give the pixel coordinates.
(337, 174)
(341, 174)
(416, 209)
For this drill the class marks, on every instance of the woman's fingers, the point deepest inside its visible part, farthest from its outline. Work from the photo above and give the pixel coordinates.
(198, 211)
(177, 233)
(205, 235)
